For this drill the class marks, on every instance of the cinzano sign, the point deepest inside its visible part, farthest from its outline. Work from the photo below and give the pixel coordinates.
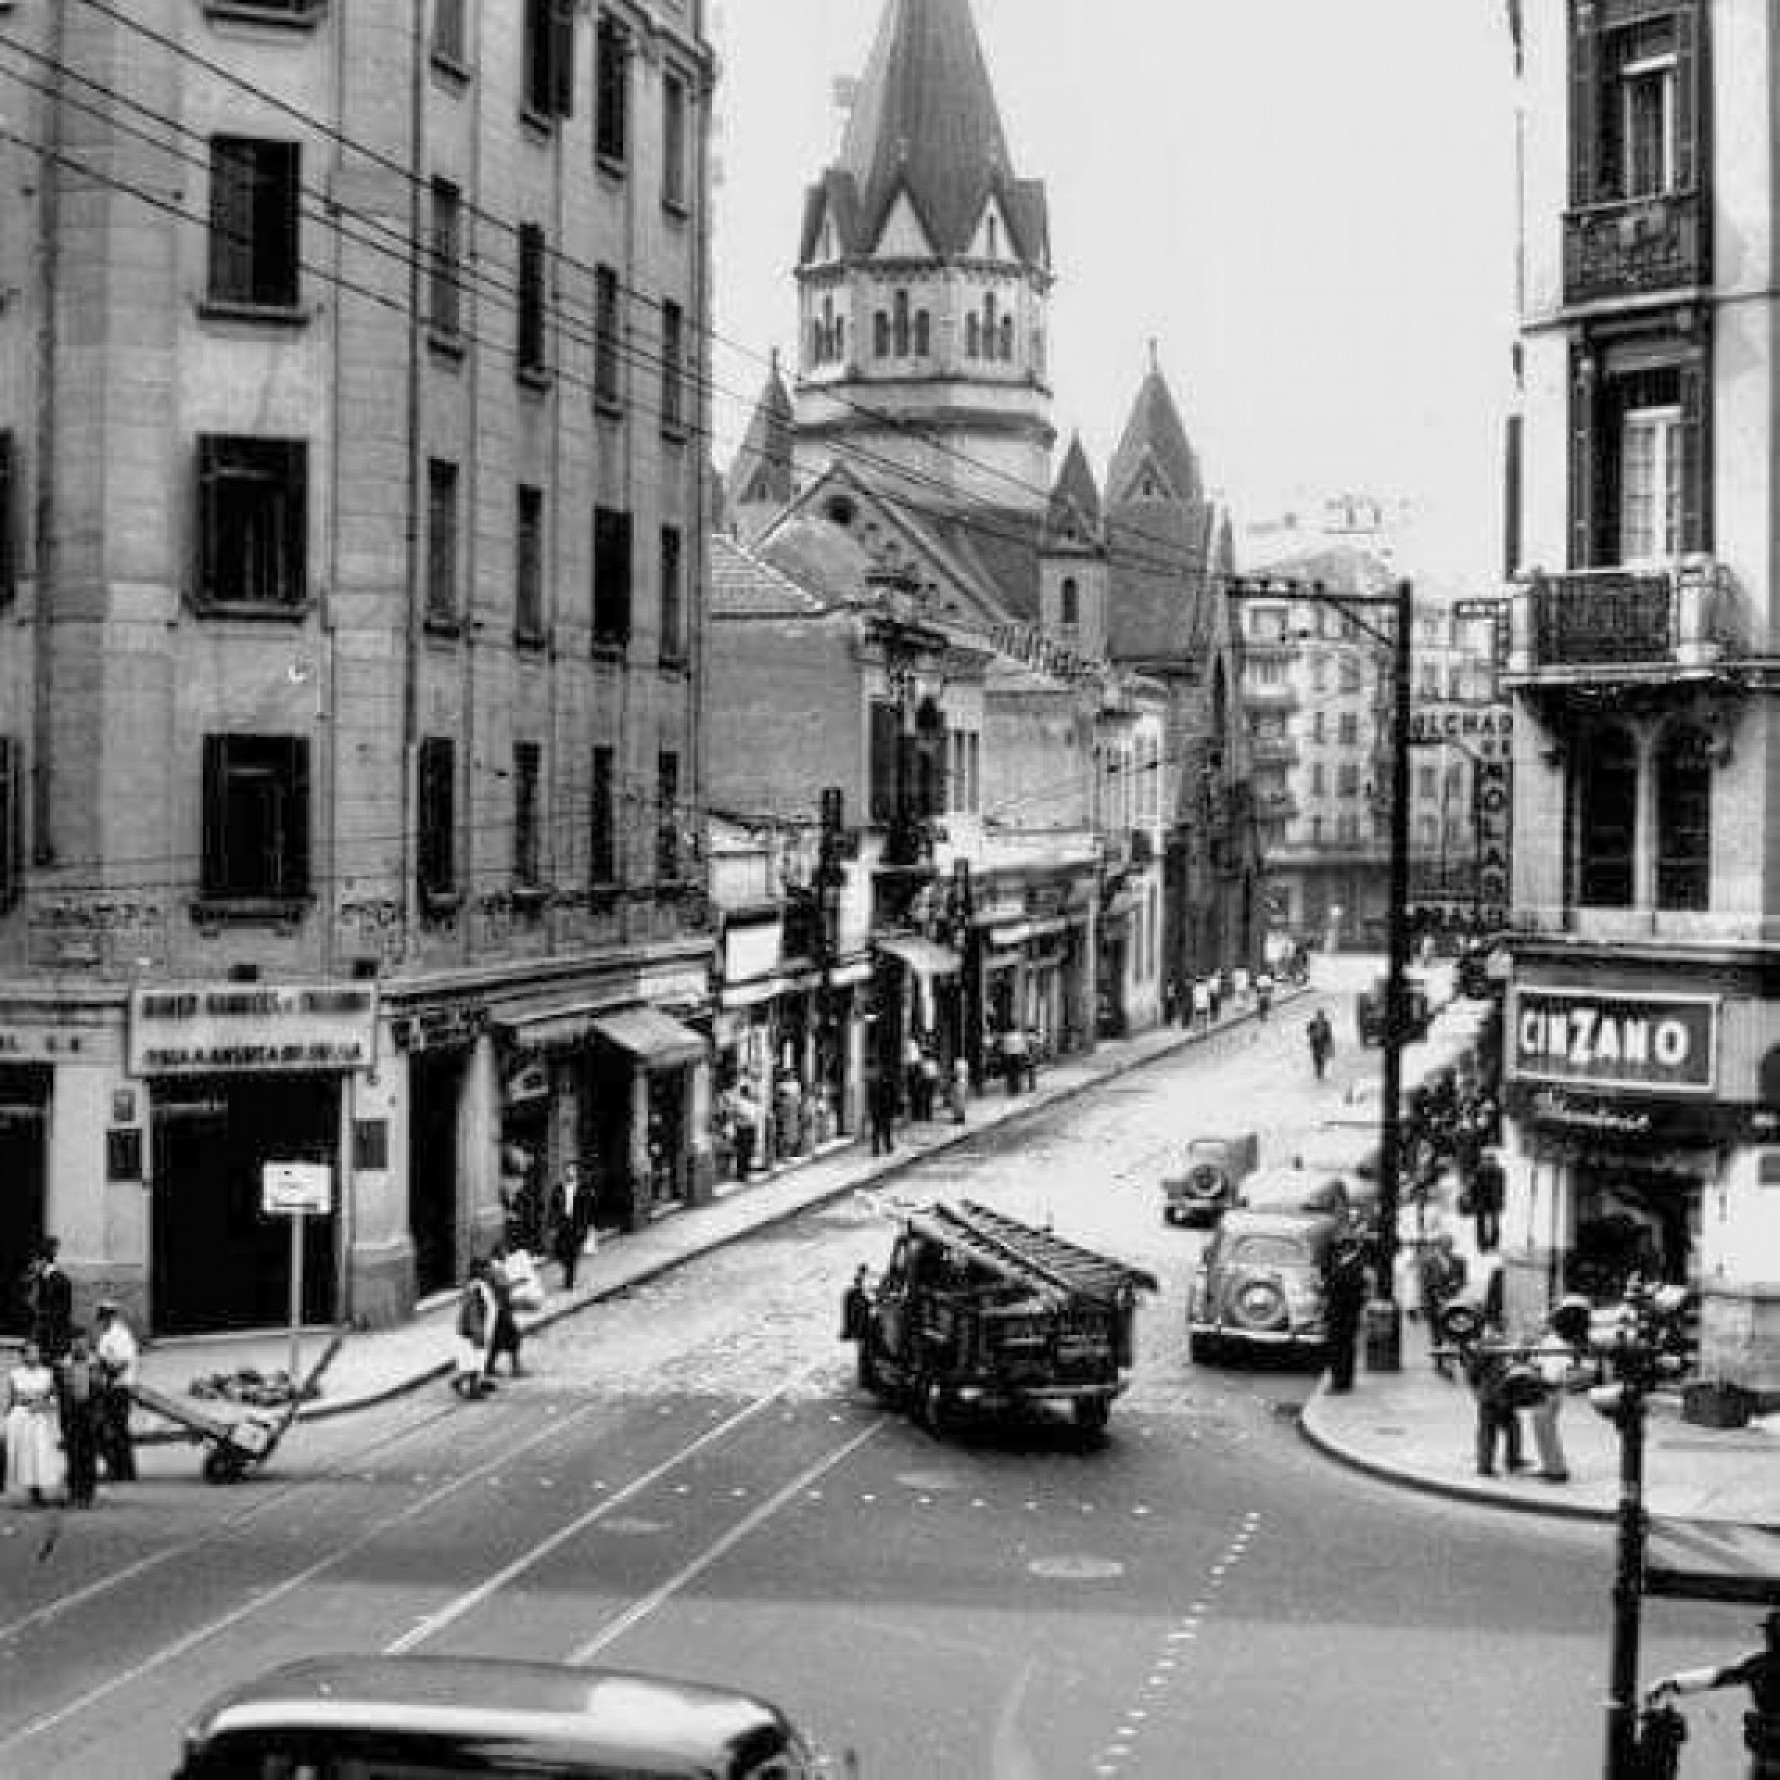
(1653, 1043)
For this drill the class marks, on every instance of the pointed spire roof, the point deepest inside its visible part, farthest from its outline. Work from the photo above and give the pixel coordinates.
(1154, 453)
(1074, 513)
(762, 467)
(926, 122)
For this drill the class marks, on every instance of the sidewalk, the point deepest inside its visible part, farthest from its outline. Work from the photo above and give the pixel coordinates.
(374, 1365)
(1416, 1428)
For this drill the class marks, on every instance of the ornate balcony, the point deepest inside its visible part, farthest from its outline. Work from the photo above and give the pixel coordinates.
(1633, 246)
(1625, 625)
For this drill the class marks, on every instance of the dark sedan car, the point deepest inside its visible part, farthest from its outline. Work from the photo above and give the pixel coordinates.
(1259, 1283)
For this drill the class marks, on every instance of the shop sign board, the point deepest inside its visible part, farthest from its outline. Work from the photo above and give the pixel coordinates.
(439, 1028)
(1650, 1044)
(252, 1026)
(293, 1187)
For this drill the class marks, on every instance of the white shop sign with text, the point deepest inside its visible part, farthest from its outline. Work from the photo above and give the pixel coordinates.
(252, 1026)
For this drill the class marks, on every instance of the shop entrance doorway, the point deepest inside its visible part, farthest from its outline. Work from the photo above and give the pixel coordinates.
(1633, 1218)
(24, 1126)
(218, 1261)
(435, 1086)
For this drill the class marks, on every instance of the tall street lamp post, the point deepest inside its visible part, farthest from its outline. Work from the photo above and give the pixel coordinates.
(1384, 1316)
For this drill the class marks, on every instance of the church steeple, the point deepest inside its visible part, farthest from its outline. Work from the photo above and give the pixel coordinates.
(760, 478)
(924, 277)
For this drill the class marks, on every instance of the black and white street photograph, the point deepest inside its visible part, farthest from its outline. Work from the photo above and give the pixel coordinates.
(887, 889)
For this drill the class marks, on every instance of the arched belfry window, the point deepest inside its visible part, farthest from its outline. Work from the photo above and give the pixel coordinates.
(1069, 604)
(902, 324)
(994, 240)
(989, 325)
(1684, 818)
(923, 334)
(818, 343)
(880, 334)
(1007, 338)
(973, 336)
(1606, 819)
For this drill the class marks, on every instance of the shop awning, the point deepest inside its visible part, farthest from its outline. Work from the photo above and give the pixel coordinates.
(547, 1024)
(651, 1036)
(1017, 933)
(922, 956)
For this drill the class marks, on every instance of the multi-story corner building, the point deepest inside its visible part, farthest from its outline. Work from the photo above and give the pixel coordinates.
(350, 635)
(1643, 1020)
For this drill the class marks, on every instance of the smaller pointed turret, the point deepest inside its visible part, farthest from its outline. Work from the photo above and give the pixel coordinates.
(1074, 515)
(760, 479)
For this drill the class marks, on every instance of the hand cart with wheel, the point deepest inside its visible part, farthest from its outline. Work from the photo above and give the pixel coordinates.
(235, 1445)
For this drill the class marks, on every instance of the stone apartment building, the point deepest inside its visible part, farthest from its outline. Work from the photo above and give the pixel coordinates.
(350, 634)
(1643, 1016)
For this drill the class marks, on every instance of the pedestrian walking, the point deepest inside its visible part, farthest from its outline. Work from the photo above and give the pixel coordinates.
(856, 1306)
(118, 1360)
(475, 1327)
(571, 1221)
(79, 1388)
(1344, 1300)
(930, 1079)
(1442, 1280)
(1563, 1366)
(1486, 1191)
(882, 1110)
(50, 1298)
(1013, 1057)
(1033, 1045)
(33, 1440)
(1201, 1004)
(504, 1338)
(911, 1076)
(1321, 1037)
(1263, 995)
(960, 1090)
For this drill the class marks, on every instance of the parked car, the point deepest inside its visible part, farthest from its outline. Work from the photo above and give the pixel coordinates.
(421, 1716)
(1205, 1187)
(1418, 1012)
(1259, 1283)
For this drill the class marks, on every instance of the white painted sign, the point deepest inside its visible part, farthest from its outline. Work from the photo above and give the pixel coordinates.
(287, 1187)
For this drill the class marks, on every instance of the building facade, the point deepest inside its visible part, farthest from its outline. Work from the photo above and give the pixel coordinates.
(351, 641)
(1643, 1027)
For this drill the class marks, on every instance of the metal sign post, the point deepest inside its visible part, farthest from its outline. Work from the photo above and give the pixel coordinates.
(293, 1190)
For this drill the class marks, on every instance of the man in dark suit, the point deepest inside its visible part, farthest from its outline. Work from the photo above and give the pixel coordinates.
(52, 1303)
(571, 1217)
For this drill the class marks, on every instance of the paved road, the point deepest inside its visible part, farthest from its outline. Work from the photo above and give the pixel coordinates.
(690, 1482)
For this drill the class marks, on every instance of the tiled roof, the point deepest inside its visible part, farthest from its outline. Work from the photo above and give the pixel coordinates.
(744, 585)
(926, 122)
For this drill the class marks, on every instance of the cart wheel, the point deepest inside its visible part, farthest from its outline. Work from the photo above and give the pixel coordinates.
(221, 1465)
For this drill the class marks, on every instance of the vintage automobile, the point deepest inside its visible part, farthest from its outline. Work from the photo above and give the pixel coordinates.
(1296, 1188)
(979, 1310)
(1206, 1184)
(1259, 1283)
(428, 1718)
(1418, 1011)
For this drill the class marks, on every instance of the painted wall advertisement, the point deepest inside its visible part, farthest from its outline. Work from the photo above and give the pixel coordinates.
(1648, 1044)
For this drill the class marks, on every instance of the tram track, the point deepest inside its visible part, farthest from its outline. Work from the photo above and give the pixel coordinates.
(324, 1600)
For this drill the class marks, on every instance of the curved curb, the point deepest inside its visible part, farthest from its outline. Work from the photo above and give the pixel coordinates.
(1427, 1484)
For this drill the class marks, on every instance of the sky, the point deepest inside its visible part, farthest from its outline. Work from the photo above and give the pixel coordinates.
(1307, 204)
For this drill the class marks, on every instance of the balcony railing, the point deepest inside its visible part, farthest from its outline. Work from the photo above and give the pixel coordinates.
(1274, 750)
(1595, 623)
(1635, 245)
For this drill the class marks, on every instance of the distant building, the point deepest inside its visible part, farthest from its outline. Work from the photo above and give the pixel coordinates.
(350, 639)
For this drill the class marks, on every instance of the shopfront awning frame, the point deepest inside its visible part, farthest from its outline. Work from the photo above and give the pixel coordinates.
(655, 1039)
(925, 957)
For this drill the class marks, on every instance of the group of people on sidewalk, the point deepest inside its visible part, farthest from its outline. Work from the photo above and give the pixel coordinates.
(1198, 1002)
(68, 1397)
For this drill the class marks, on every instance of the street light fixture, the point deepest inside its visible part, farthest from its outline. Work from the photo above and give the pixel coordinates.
(1384, 1317)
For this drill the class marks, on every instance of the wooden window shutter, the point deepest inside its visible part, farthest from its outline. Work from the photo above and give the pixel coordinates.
(11, 824)
(296, 830)
(1584, 450)
(9, 520)
(1690, 96)
(1696, 451)
(562, 57)
(1585, 102)
(215, 792)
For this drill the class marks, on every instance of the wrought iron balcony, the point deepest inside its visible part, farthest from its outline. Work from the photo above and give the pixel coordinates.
(1632, 246)
(1273, 750)
(1624, 624)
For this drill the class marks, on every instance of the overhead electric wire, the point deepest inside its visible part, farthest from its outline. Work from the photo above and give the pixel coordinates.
(1187, 562)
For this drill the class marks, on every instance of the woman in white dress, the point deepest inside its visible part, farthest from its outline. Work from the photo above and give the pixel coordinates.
(33, 1448)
